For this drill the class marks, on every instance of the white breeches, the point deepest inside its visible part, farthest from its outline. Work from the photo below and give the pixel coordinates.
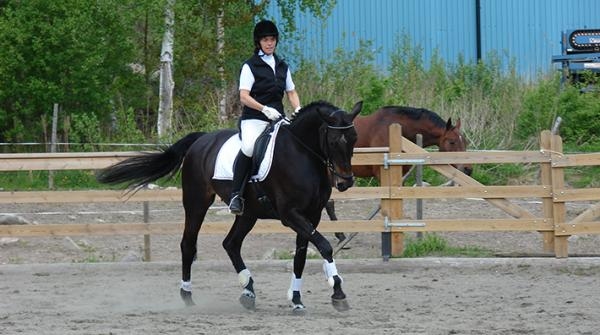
(251, 129)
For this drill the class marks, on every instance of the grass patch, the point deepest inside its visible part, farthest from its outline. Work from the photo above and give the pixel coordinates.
(434, 245)
(64, 180)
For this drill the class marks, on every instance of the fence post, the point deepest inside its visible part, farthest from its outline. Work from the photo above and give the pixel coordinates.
(419, 180)
(53, 144)
(546, 179)
(147, 252)
(392, 177)
(561, 247)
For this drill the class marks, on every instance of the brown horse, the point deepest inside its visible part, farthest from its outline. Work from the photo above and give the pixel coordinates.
(373, 131)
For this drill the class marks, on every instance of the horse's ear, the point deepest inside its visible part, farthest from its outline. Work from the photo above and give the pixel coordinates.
(457, 125)
(449, 124)
(356, 109)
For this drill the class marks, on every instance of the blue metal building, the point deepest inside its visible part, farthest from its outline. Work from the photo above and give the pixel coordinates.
(527, 32)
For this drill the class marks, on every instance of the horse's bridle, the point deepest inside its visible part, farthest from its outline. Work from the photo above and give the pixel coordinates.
(324, 147)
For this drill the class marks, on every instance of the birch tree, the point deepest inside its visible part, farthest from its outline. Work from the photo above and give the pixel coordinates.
(166, 86)
(221, 69)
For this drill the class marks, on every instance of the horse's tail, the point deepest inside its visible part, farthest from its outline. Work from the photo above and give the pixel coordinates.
(140, 170)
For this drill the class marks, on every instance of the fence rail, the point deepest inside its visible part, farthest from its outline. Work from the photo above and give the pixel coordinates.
(551, 189)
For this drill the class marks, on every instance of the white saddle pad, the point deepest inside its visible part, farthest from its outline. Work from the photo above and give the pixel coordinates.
(230, 149)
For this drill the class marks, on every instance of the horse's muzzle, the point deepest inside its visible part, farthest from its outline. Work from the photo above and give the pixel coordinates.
(466, 169)
(344, 183)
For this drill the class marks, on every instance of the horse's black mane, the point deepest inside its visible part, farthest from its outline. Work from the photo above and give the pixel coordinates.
(418, 113)
(310, 106)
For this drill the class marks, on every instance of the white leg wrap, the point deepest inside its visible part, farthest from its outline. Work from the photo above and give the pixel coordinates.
(330, 271)
(244, 277)
(295, 285)
(186, 286)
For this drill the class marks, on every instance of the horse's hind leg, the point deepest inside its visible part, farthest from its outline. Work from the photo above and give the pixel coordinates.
(294, 292)
(195, 211)
(330, 209)
(233, 245)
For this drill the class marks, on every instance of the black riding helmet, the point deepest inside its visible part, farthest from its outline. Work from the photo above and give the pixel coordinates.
(264, 28)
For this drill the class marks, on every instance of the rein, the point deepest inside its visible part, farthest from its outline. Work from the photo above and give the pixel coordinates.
(323, 160)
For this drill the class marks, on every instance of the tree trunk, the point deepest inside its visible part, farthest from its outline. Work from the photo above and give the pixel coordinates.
(165, 108)
(221, 69)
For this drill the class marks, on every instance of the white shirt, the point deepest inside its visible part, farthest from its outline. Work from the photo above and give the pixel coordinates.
(247, 78)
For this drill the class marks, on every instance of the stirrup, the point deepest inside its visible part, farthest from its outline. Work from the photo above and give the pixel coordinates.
(236, 205)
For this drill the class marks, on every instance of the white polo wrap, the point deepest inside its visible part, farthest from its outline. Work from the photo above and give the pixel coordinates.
(295, 285)
(244, 277)
(186, 286)
(330, 271)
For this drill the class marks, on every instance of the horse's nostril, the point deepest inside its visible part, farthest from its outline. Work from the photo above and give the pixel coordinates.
(343, 186)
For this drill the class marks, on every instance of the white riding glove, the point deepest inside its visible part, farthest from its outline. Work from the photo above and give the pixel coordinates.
(271, 113)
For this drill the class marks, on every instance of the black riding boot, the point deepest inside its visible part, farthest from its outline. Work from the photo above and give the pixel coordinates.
(241, 168)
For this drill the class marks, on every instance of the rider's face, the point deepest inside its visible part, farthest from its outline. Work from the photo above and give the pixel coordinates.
(268, 44)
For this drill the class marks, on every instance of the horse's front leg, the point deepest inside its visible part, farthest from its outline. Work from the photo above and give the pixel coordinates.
(233, 245)
(307, 231)
(338, 299)
(294, 292)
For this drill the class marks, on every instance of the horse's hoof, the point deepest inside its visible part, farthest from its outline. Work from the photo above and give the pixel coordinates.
(298, 309)
(248, 301)
(340, 305)
(187, 297)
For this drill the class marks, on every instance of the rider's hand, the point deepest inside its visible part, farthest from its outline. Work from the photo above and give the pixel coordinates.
(271, 113)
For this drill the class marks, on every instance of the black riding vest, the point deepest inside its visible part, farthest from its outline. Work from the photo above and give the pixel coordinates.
(268, 87)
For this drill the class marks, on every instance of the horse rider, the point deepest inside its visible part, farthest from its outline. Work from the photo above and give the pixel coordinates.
(264, 79)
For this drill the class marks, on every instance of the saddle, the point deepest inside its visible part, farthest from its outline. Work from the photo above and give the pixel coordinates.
(261, 163)
(262, 156)
(260, 149)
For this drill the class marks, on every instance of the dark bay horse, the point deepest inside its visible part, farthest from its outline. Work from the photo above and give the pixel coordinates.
(373, 131)
(315, 147)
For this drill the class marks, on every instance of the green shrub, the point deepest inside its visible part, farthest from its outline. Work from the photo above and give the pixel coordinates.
(125, 129)
(581, 124)
(86, 131)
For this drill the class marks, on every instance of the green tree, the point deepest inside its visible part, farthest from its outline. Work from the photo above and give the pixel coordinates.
(69, 52)
(102, 57)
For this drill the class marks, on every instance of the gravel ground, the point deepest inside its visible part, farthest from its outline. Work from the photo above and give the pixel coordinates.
(544, 296)
(97, 285)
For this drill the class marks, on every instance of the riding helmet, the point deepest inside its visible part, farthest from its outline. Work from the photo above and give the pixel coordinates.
(265, 28)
